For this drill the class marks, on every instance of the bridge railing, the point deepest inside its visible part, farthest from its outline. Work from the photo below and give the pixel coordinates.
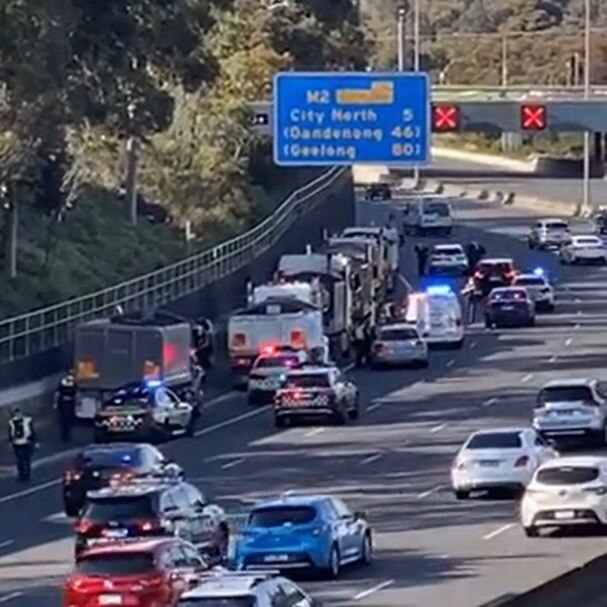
(41, 330)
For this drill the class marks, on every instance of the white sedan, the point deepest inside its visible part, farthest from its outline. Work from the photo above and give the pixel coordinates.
(583, 249)
(539, 289)
(497, 460)
(448, 258)
(566, 492)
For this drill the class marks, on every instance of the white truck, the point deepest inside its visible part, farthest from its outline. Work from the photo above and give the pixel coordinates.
(332, 274)
(277, 315)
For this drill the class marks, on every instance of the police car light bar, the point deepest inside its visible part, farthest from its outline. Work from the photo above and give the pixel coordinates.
(439, 290)
(538, 271)
(153, 383)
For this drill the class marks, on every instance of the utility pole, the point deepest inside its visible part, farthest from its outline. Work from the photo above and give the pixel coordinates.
(9, 206)
(132, 160)
(587, 203)
(402, 36)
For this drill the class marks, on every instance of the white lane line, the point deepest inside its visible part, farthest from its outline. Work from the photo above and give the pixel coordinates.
(6, 543)
(568, 341)
(365, 593)
(576, 326)
(314, 432)
(451, 362)
(430, 492)
(527, 378)
(231, 421)
(405, 282)
(553, 359)
(578, 313)
(490, 401)
(438, 428)
(372, 458)
(499, 531)
(577, 300)
(29, 491)
(9, 597)
(373, 407)
(233, 463)
(473, 345)
(289, 492)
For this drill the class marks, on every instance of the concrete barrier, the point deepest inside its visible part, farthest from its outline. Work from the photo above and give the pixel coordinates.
(586, 583)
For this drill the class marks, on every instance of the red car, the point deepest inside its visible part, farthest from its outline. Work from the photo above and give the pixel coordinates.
(141, 573)
(493, 273)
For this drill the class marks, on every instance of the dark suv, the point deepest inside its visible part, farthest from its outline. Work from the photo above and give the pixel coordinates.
(378, 190)
(98, 466)
(148, 509)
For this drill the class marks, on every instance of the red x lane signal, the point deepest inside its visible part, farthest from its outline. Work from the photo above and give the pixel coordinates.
(445, 118)
(533, 117)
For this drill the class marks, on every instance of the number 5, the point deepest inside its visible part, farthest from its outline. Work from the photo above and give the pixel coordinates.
(407, 115)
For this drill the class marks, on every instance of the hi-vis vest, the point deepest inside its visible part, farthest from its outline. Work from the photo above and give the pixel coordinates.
(20, 430)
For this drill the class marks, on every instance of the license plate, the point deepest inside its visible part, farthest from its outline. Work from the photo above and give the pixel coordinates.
(564, 514)
(276, 558)
(116, 533)
(110, 599)
(507, 307)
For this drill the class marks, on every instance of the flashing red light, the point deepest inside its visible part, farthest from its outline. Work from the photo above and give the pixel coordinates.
(533, 117)
(170, 355)
(445, 118)
(267, 350)
(71, 476)
(84, 525)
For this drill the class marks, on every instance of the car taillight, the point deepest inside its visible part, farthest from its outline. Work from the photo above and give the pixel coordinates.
(151, 580)
(521, 461)
(72, 476)
(121, 477)
(378, 346)
(84, 525)
(478, 274)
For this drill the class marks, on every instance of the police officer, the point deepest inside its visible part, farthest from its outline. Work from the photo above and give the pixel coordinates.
(66, 406)
(202, 342)
(422, 258)
(358, 342)
(22, 437)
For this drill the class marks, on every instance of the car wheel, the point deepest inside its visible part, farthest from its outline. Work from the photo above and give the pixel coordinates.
(423, 364)
(488, 324)
(604, 261)
(341, 417)
(366, 550)
(562, 261)
(458, 345)
(531, 531)
(462, 495)
(332, 571)
(71, 510)
(354, 413)
(281, 421)
(531, 245)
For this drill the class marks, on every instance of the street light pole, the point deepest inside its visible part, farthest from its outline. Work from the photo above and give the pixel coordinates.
(401, 37)
(416, 60)
(586, 193)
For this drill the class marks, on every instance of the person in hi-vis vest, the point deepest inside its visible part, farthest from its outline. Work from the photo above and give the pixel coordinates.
(22, 437)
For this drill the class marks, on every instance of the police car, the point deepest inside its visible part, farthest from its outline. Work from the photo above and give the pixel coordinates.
(145, 412)
(539, 288)
(448, 259)
(268, 371)
(316, 391)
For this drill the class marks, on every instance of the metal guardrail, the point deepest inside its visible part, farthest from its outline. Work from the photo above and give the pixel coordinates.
(52, 326)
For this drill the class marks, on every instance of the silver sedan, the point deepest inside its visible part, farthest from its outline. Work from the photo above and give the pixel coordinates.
(399, 344)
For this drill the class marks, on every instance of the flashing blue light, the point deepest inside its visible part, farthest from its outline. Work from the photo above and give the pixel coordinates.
(539, 271)
(439, 290)
(126, 458)
(153, 383)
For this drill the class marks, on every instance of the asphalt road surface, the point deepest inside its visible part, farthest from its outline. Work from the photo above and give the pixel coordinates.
(394, 463)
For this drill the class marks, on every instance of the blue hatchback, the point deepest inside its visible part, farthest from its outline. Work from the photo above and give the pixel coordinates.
(304, 532)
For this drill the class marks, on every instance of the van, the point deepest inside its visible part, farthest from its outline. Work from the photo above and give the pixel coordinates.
(437, 314)
(429, 215)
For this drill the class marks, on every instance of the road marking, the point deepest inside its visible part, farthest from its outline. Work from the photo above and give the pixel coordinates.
(499, 531)
(29, 491)
(365, 593)
(430, 492)
(490, 401)
(527, 377)
(9, 597)
(437, 428)
(568, 341)
(577, 300)
(233, 463)
(451, 362)
(553, 359)
(314, 432)
(405, 282)
(373, 407)
(473, 345)
(372, 458)
(579, 313)
(6, 543)
(231, 421)
(288, 492)
(576, 326)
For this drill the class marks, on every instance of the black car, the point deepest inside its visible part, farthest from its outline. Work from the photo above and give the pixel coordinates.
(98, 466)
(378, 190)
(153, 509)
(509, 307)
(146, 412)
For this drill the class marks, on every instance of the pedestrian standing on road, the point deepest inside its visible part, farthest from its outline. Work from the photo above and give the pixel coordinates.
(422, 258)
(65, 406)
(358, 342)
(22, 437)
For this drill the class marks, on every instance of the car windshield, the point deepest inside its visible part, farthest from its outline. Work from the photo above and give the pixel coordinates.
(448, 251)
(132, 563)
(276, 361)
(109, 458)
(316, 380)
(119, 508)
(566, 394)
(502, 266)
(556, 225)
(567, 475)
(436, 208)
(495, 440)
(530, 282)
(241, 601)
(277, 516)
(398, 334)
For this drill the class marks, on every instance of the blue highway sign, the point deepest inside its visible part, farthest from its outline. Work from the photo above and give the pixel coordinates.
(343, 118)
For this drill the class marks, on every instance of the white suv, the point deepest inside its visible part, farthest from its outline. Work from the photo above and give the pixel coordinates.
(247, 589)
(572, 409)
(566, 492)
